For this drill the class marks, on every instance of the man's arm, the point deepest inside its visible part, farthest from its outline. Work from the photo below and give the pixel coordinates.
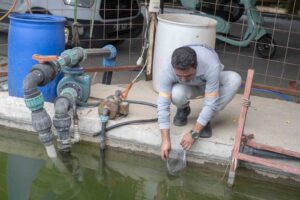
(163, 112)
(209, 108)
(165, 144)
(211, 96)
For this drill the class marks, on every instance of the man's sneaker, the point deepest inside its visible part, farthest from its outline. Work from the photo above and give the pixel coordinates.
(206, 131)
(180, 118)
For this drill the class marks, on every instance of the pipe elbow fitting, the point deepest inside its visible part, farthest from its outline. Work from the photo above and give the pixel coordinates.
(111, 60)
(30, 83)
(41, 123)
(113, 51)
(61, 105)
(48, 72)
(62, 122)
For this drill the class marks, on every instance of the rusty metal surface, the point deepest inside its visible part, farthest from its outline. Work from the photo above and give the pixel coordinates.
(113, 69)
(242, 119)
(99, 69)
(242, 139)
(269, 163)
(288, 91)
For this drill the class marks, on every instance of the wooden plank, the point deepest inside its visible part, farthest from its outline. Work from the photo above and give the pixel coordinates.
(269, 163)
(151, 40)
(240, 128)
(243, 114)
(236, 155)
(287, 91)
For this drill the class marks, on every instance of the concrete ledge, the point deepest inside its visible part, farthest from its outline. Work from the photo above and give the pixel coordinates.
(273, 122)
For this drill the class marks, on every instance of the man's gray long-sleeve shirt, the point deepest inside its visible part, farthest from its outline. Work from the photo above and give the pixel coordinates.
(207, 75)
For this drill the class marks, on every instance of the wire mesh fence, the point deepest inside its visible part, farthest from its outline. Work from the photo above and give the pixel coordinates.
(275, 54)
(281, 25)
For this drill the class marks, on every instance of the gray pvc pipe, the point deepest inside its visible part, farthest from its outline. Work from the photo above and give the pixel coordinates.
(62, 121)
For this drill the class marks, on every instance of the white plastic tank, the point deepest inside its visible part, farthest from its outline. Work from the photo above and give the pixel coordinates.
(176, 30)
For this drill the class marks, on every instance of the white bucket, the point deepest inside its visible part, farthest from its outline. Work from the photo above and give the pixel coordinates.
(176, 30)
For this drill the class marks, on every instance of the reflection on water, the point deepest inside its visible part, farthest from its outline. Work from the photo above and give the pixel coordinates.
(26, 173)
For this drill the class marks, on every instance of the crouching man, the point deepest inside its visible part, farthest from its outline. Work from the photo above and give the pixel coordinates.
(192, 71)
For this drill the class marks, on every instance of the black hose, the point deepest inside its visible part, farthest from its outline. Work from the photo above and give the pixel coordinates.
(139, 121)
(102, 134)
(132, 121)
(127, 123)
(141, 103)
(91, 104)
(265, 154)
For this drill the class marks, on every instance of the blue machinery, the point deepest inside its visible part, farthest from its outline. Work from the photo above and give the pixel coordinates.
(72, 90)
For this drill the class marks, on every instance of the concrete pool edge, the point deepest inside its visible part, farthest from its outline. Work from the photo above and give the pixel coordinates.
(146, 138)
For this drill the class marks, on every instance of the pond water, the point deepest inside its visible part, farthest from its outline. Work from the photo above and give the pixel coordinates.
(27, 173)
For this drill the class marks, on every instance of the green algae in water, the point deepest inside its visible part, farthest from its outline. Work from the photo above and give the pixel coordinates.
(27, 173)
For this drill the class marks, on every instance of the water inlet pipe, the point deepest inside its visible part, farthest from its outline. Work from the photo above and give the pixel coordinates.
(104, 120)
(40, 75)
(70, 96)
(62, 120)
(109, 61)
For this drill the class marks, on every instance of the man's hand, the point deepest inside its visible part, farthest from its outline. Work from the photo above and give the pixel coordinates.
(165, 149)
(187, 141)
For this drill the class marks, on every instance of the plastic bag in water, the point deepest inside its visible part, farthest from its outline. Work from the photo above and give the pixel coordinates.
(176, 162)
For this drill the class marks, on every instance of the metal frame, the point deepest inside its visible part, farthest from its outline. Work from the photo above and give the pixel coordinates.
(241, 139)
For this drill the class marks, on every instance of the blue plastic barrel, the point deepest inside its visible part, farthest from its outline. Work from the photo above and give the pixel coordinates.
(33, 34)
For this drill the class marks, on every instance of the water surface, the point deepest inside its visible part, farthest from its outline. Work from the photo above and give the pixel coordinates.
(27, 173)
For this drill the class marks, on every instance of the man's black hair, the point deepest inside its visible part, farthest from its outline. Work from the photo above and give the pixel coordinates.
(183, 58)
